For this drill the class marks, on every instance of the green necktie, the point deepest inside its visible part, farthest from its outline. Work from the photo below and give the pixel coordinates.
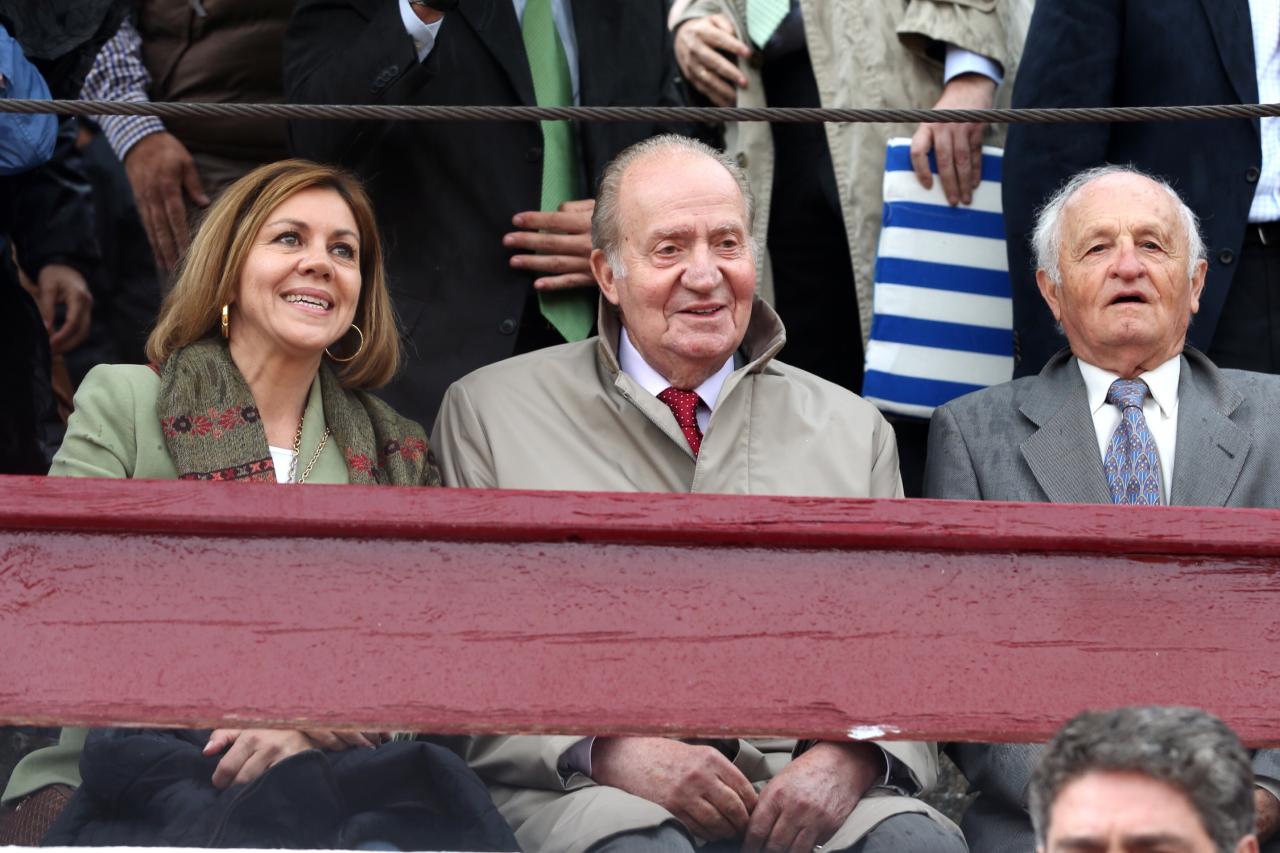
(763, 17)
(571, 311)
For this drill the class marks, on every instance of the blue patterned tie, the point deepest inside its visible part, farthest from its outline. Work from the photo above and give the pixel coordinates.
(1132, 462)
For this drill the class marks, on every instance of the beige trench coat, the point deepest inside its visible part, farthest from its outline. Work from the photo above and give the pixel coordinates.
(568, 418)
(868, 54)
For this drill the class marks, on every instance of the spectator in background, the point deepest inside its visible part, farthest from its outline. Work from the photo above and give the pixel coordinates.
(486, 223)
(46, 222)
(26, 141)
(1104, 53)
(190, 50)
(819, 186)
(1129, 414)
(1138, 779)
(124, 285)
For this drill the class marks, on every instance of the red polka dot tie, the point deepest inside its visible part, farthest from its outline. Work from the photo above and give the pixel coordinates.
(684, 405)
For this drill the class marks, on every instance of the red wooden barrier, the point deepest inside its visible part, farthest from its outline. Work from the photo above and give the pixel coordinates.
(470, 611)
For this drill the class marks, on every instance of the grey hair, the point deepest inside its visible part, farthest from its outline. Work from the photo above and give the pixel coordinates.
(1046, 239)
(1186, 748)
(605, 225)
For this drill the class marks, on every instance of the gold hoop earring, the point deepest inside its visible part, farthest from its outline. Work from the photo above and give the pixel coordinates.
(355, 354)
(226, 321)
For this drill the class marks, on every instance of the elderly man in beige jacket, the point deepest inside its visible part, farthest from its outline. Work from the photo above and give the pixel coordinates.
(681, 392)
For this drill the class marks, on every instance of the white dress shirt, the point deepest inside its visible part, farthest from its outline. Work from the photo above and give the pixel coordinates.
(1160, 408)
(1264, 16)
(634, 365)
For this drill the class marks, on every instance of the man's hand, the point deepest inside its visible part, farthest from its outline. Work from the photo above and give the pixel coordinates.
(160, 169)
(699, 43)
(808, 801)
(956, 147)
(562, 241)
(697, 784)
(1266, 813)
(252, 752)
(58, 284)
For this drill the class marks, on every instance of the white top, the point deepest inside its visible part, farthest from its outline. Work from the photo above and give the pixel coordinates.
(1160, 409)
(1264, 15)
(634, 365)
(282, 458)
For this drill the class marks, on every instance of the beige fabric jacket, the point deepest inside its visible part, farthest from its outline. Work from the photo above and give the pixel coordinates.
(568, 418)
(869, 54)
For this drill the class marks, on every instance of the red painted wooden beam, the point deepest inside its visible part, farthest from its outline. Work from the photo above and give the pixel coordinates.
(471, 611)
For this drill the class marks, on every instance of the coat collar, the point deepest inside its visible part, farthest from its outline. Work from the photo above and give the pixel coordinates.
(765, 337)
(1063, 453)
(1212, 448)
(1233, 33)
(495, 24)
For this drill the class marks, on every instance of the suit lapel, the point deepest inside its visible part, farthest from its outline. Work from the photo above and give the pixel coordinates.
(496, 25)
(597, 27)
(1211, 448)
(1233, 33)
(1063, 453)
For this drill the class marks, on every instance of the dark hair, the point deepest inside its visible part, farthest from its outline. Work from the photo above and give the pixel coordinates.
(1186, 748)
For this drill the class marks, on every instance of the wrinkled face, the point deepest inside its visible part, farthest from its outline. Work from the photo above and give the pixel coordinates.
(301, 280)
(1122, 812)
(685, 297)
(1125, 295)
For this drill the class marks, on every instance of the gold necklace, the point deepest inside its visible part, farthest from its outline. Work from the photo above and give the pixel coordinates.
(297, 446)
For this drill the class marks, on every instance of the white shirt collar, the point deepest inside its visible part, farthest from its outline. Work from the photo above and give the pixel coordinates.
(634, 365)
(1162, 382)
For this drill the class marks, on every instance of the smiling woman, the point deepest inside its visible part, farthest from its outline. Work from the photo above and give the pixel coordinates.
(278, 323)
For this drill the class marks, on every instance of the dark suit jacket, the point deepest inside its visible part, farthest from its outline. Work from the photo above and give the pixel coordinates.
(445, 192)
(1102, 53)
(1033, 439)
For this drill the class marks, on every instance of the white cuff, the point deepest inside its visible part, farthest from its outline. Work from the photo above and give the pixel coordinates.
(423, 35)
(961, 61)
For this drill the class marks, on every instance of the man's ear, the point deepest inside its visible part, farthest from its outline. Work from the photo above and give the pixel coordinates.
(1197, 283)
(603, 272)
(1248, 844)
(1049, 291)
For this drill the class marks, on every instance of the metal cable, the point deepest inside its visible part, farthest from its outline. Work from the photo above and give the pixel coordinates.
(785, 115)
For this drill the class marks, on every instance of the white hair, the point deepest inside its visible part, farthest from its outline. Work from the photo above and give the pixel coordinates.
(1046, 239)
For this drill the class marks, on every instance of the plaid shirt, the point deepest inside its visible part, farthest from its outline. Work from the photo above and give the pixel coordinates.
(119, 75)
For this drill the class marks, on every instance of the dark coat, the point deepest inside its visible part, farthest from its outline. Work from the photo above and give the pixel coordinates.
(1103, 53)
(445, 192)
(151, 788)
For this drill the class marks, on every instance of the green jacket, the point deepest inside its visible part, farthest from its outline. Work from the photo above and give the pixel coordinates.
(115, 432)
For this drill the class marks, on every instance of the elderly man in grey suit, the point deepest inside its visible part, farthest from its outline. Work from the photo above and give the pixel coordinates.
(681, 392)
(1126, 414)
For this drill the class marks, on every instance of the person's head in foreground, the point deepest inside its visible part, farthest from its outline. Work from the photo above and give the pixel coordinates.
(1120, 262)
(673, 253)
(1144, 780)
(287, 266)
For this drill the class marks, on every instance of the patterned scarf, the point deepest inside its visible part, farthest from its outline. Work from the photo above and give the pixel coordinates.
(213, 431)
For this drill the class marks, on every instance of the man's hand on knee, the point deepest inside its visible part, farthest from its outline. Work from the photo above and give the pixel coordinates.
(699, 786)
(808, 801)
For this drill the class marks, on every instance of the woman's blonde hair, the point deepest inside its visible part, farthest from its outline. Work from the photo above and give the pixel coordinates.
(209, 274)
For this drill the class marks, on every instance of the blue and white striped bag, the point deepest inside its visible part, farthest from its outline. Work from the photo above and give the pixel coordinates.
(942, 313)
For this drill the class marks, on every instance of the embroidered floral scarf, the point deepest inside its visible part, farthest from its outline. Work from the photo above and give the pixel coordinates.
(213, 432)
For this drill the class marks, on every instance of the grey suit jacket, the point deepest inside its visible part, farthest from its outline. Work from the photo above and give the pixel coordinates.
(1033, 440)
